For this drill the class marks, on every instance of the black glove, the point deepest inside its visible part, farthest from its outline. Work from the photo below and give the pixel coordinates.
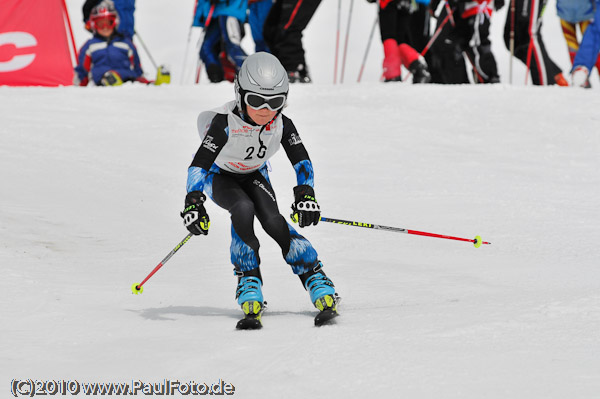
(305, 210)
(498, 4)
(195, 218)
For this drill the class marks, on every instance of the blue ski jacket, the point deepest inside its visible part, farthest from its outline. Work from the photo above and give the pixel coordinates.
(99, 55)
(229, 8)
(575, 11)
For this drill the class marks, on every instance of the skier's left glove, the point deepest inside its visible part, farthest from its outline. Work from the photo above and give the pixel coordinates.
(305, 210)
(195, 218)
(498, 4)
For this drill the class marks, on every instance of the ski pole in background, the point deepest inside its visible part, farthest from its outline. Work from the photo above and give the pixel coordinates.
(146, 49)
(362, 66)
(187, 45)
(138, 288)
(337, 42)
(346, 43)
(477, 242)
(438, 30)
(208, 21)
(512, 40)
(449, 17)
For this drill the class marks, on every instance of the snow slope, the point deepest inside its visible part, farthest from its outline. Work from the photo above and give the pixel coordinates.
(93, 180)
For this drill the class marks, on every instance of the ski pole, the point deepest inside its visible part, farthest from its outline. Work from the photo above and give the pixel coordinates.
(187, 45)
(208, 21)
(364, 61)
(511, 41)
(337, 42)
(146, 48)
(346, 42)
(138, 288)
(437, 32)
(477, 242)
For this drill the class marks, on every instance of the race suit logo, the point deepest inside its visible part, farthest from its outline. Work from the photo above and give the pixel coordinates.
(262, 186)
(294, 139)
(209, 145)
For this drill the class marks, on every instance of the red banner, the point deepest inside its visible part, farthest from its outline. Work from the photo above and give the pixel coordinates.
(34, 47)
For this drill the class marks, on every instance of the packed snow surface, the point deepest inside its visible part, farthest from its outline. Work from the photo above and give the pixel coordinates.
(93, 180)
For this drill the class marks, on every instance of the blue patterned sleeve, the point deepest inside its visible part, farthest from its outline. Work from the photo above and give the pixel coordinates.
(304, 173)
(196, 179)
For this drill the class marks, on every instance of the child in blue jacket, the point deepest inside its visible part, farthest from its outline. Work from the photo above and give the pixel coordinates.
(107, 59)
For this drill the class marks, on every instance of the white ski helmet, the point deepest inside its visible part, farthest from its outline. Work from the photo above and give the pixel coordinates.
(262, 73)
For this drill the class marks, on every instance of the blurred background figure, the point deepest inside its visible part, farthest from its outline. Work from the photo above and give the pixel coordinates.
(283, 34)
(528, 43)
(258, 10)
(221, 50)
(125, 9)
(574, 14)
(402, 30)
(108, 58)
(588, 52)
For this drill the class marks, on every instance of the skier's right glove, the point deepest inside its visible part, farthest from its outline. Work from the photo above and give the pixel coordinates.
(195, 218)
(305, 210)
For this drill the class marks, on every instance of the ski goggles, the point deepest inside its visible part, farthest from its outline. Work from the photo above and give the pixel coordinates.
(105, 22)
(258, 101)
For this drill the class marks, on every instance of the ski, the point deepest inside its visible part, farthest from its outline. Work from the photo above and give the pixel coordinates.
(249, 322)
(326, 317)
(253, 311)
(329, 311)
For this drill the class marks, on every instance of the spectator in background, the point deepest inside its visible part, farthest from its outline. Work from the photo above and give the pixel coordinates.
(468, 30)
(573, 13)
(528, 44)
(258, 10)
(109, 58)
(588, 52)
(400, 39)
(221, 50)
(125, 9)
(283, 34)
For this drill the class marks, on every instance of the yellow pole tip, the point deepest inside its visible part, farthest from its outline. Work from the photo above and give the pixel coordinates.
(477, 241)
(136, 289)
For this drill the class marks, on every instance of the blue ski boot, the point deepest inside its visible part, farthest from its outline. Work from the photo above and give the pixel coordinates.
(322, 294)
(250, 298)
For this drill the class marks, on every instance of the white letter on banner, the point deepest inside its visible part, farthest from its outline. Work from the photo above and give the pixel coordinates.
(19, 40)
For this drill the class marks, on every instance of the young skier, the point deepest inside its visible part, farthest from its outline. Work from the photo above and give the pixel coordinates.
(107, 59)
(231, 168)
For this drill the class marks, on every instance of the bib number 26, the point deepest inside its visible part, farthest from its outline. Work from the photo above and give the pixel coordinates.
(262, 151)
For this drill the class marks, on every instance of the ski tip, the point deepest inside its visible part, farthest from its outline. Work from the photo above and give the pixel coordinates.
(326, 317)
(249, 323)
(136, 289)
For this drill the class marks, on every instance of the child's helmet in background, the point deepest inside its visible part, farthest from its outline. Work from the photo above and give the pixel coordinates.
(260, 73)
(104, 10)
